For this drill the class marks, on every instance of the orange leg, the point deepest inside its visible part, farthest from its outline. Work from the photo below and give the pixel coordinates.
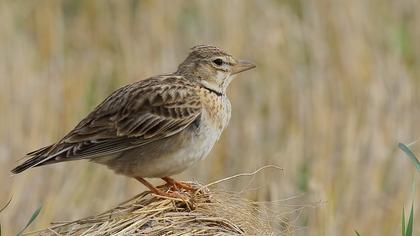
(159, 192)
(175, 184)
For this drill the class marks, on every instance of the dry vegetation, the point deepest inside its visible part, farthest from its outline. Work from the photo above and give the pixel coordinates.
(336, 87)
(208, 213)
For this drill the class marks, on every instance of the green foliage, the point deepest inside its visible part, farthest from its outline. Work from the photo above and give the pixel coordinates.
(410, 154)
(403, 223)
(407, 230)
(303, 177)
(404, 42)
(33, 217)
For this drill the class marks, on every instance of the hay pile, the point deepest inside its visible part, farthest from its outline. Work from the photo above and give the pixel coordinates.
(208, 213)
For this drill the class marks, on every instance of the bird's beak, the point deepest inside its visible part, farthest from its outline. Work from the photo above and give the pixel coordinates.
(242, 66)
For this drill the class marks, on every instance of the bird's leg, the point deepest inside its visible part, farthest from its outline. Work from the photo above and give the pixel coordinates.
(176, 184)
(152, 188)
(159, 192)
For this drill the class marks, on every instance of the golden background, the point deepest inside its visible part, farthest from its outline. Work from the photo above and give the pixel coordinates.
(335, 89)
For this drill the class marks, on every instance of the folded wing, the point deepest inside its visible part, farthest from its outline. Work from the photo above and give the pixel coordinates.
(139, 113)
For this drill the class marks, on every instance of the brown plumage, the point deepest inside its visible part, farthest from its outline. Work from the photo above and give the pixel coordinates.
(155, 127)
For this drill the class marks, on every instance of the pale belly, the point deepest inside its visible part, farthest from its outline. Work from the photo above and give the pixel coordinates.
(165, 157)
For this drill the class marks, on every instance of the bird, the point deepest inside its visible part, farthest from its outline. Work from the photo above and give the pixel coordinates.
(155, 127)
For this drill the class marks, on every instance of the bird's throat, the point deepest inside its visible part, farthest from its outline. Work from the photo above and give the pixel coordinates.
(218, 93)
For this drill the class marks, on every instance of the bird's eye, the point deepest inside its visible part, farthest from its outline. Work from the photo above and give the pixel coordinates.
(218, 61)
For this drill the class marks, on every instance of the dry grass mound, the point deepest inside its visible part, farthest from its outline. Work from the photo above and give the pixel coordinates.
(208, 213)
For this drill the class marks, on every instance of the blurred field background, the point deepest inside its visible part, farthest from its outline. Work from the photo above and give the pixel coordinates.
(336, 87)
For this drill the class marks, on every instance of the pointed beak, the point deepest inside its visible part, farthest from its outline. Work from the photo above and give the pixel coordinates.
(242, 66)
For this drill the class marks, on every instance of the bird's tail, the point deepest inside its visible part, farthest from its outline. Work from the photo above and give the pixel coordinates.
(26, 165)
(36, 158)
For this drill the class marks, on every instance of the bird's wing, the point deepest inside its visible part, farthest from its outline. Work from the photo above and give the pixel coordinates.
(132, 116)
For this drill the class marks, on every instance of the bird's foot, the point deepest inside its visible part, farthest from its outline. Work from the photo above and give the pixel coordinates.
(172, 195)
(157, 191)
(175, 185)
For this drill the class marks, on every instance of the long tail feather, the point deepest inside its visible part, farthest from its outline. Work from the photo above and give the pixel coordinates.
(39, 157)
(27, 164)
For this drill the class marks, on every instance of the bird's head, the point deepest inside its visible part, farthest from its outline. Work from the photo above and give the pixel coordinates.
(212, 67)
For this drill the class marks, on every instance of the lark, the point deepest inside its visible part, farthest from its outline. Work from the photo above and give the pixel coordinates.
(156, 127)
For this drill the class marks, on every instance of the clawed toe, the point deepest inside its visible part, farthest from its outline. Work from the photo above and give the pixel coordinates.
(175, 185)
(186, 186)
(172, 193)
